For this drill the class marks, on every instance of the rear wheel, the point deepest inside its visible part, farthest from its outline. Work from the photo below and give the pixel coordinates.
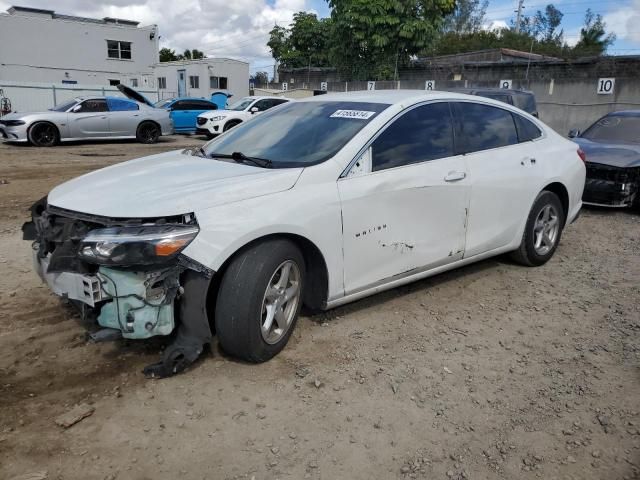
(148, 132)
(230, 124)
(43, 134)
(259, 300)
(542, 232)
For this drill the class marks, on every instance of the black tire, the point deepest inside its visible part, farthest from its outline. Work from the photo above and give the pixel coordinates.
(209, 135)
(527, 254)
(230, 124)
(239, 314)
(43, 134)
(148, 132)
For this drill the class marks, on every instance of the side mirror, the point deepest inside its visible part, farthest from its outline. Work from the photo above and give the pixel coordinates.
(574, 133)
(254, 110)
(76, 109)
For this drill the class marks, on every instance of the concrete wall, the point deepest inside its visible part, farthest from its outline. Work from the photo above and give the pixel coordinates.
(40, 48)
(236, 72)
(566, 91)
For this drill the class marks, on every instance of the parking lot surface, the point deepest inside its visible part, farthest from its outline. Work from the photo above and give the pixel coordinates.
(489, 371)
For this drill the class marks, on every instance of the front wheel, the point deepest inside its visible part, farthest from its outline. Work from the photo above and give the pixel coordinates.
(229, 125)
(542, 232)
(43, 134)
(148, 132)
(259, 300)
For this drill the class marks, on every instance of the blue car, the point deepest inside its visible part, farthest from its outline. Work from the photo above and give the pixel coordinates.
(184, 111)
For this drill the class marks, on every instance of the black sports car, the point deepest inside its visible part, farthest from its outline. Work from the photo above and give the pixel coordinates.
(612, 148)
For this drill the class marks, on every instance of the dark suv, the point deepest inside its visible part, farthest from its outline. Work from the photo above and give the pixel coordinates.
(523, 99)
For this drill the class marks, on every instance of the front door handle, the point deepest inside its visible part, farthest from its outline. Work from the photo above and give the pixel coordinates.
(455, 176)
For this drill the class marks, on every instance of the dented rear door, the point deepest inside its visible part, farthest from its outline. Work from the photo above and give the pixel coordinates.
(404, 204)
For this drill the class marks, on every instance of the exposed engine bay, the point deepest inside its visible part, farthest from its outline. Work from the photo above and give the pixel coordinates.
(128, 275)
(610, 185)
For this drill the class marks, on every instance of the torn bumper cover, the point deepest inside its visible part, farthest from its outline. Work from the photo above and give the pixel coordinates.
(129, 273)
(611, 186)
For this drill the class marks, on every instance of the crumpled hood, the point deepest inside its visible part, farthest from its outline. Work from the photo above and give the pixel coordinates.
(614, 154)
(171, 183)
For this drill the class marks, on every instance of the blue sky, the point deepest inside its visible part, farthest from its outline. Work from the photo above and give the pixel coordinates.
(240, 28)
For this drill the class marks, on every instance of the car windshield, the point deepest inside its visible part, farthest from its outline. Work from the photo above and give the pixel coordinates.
(163, 103)
(298, 133)
(63, 107)
(615, 129)
(241, 104)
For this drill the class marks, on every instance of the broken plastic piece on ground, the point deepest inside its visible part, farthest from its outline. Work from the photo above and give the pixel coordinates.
(172, 363)
(104, 335)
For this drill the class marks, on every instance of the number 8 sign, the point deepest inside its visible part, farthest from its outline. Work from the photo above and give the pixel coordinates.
(605, 86)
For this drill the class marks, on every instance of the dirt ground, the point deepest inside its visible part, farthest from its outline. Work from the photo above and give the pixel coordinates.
(490, 371)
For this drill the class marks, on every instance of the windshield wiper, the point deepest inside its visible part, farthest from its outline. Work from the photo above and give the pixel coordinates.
(242, 158)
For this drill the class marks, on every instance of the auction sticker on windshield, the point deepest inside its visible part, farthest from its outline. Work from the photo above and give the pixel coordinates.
(359, 114)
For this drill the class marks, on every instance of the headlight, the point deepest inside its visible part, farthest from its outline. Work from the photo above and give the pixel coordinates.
(136, 245)
(12, 123)
(217, 119)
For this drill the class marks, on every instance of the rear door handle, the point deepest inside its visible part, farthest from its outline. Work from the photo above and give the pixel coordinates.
(455, 176)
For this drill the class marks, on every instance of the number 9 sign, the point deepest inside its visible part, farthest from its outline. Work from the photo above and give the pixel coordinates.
(506, 84)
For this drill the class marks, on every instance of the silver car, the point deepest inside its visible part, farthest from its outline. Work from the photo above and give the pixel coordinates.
(89, 118)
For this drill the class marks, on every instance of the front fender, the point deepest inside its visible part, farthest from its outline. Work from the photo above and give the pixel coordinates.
(227, 228)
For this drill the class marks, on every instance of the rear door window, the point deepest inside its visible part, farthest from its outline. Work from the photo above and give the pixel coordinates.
(422, 134)
(94, 105)
(121, 105)
(526, 129)
(482, 127)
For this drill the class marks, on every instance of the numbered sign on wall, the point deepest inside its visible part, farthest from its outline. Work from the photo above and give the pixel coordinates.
(285, 86)
(430, 85)
(505, 84)
(371, 85)
(252, 85)
(605, 86)
(323, 86)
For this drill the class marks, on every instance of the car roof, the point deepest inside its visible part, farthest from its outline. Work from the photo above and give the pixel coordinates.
(394, 96)
(624, 113)
(267, 97)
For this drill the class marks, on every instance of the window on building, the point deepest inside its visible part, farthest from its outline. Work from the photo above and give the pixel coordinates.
(422, 134)
(134, 82)
(113, 82)
(194, 81)
(223, 83)
(162, 83)
(214, 82)
(119, 50)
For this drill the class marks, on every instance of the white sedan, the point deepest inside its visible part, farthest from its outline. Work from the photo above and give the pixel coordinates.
(319, 202)
(218, 121)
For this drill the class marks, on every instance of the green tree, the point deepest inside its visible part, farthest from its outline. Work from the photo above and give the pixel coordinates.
(371, 38)
(304, 44)
(593, 38)
(167, 55)
(467, 17)
(547, 24)
(260, 78)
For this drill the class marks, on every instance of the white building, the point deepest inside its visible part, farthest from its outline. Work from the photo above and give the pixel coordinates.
(39, 45)
(199, 78)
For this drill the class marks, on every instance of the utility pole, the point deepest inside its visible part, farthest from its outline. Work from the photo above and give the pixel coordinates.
(519, 15)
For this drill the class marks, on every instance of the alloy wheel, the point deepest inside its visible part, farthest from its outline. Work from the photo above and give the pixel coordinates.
(280, 302)
(545, 230)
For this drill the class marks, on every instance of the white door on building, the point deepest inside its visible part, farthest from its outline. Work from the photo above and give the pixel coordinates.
(182, 83)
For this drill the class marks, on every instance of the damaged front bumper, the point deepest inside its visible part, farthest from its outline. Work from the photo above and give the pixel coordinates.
(610, 186)
(138, 304)
(129, 275)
